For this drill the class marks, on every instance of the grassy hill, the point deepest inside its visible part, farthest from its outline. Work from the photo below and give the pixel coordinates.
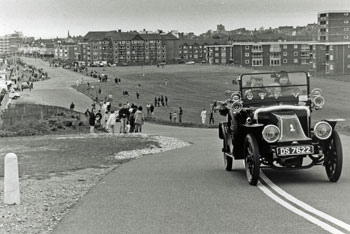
(194, 87)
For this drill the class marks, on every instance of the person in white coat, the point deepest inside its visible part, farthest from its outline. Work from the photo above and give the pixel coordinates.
(111, 122)
(204, 116)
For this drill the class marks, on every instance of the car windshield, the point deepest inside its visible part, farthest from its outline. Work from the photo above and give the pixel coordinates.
(269, 88)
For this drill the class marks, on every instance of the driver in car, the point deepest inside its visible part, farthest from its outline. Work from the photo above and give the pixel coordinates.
(281, 81)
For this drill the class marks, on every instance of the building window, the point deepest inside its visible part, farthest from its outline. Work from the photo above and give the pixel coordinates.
(285, 61)
(285, 46)
(331, 67)
(295, 60)
(246, 61)
(247, 47)
(331, 47)
(348, 65)
(257, 62)
(346, 37)
(246, 54)
(346, 29)
(346, 21)
(304, 61)
(295, 53)
(295, 46)
(285, 54)
(330, 57)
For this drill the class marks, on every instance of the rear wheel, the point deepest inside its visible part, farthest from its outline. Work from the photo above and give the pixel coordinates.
(252, 159)
(333, 157)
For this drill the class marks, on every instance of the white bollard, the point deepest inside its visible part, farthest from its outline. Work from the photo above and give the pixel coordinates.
(11, 180)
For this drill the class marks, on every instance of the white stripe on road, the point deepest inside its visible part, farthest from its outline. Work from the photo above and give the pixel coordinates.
(303, 204)
(297, 211)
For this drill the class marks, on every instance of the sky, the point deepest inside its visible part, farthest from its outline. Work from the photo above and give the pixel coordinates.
(53, 18)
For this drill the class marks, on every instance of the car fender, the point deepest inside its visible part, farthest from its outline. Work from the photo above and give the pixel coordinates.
(333, 122)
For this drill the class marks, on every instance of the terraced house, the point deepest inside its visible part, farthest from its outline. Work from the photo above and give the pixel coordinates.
(128, 48)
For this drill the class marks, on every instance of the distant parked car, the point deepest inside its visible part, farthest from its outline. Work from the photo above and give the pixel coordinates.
(190, 63)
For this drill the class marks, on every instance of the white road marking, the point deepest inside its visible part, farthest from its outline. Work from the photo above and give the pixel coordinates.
(303, 204)
(297, 211)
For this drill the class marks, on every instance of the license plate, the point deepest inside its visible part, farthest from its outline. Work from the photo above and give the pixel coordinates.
(295, 150)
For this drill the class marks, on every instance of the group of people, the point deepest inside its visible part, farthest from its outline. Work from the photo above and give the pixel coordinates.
(203, 116)
(130, 117)
(161, 101)
(173, 116)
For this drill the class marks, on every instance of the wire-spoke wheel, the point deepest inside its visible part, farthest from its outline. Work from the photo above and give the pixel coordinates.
(252, 159)
(333, 157)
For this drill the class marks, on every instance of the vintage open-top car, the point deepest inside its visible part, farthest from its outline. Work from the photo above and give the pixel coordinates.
(268, 124)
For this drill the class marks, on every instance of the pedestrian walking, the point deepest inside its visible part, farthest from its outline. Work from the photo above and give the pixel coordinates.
(174, 116)
(137, 94)
(211, 117)
(180, 114)
(162, 100)
(170, 117)
(152, 110)
(111, 122)
(166, 100)
(71, 107)
(155, 101)
(139, 119)
(203, 116)
(123, 116)
(148, 107)
(132, 119)
(92, 120)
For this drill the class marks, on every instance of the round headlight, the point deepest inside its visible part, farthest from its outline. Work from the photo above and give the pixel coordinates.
(323, 130)
(271, 133)
(316, 92)
(318, 101)
(236, 107)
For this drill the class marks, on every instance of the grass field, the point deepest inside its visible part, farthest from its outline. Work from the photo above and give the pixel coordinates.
(40, 155)
(194, 87)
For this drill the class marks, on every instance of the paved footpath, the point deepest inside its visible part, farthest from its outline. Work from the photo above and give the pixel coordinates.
(57, 90)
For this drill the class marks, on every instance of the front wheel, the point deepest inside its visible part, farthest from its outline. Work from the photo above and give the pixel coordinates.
(252, 159)
(333, 157)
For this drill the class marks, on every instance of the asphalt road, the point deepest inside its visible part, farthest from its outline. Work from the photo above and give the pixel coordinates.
(188, 191)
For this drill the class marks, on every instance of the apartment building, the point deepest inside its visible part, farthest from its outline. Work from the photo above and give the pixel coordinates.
(219, 54)
(4, 45)
(331, 54)
(259, 54)
(128, 47)
(332, 58)
(196, 50)
(10, 43)
(334, 26)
